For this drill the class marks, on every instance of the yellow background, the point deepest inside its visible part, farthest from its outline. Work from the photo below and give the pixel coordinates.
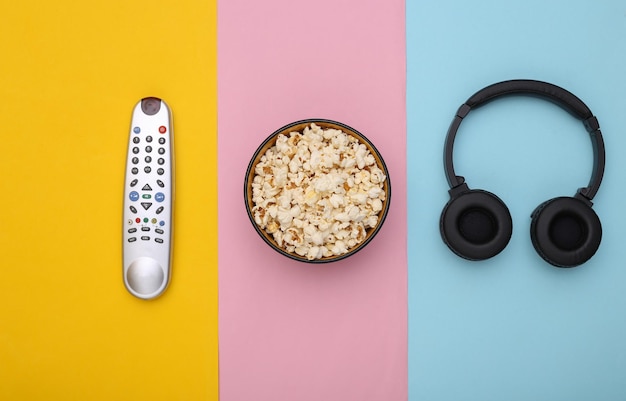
(70, 74)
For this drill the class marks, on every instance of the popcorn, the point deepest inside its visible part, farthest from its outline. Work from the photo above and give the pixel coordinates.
(317, 192)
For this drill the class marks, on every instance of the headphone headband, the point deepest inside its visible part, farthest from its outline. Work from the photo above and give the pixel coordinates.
(547, 91)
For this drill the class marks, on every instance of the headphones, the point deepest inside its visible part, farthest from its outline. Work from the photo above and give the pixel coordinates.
(565, 231)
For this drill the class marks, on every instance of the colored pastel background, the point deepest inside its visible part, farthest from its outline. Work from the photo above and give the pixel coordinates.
(514, 327)
(70, 75)
(402, 319)
(290, 330)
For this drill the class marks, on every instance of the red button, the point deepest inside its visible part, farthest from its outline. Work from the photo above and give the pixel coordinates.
(162, 129)
(137, 220)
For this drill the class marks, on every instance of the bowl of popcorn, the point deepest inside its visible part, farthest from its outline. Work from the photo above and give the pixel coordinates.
(317, 191)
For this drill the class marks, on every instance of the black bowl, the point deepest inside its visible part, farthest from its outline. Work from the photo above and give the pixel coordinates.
(299, 126)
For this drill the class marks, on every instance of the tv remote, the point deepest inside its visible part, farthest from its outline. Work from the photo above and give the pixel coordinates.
(148, 200)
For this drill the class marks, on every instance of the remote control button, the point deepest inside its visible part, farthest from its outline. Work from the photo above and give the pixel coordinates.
(153, 221)
(130, 222)
(145, 228)
(145, 276)
(137, 220)
(160, 171)
(148, 159)
(159, 240)
(161, 151)
(135, 160)
(136, 139)
(148, 149)
(160, 183)
(146, 205)
(133, 209)
(135, 150)
(161, 223)
(161, 161)
(159, 231)
(132, 230)
(148, 139)
(145, 238)
(159, 210)
(133, 196)
(134, 182)
(147, 169)
(134, 170)
(146, 188)
(161, 140)
(136, 130)
(159, 197)
(132, 239)
(146, 196)
(145, 219)
(162, 129)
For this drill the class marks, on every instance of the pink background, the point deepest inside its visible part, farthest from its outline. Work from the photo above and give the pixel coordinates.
(290, 330)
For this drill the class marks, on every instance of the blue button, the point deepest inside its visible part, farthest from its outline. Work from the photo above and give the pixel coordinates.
(134, 196)
(159, 197)
(136, 130)
(161, 223)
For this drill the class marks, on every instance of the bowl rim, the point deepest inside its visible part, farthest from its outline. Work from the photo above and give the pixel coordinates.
(347, 129)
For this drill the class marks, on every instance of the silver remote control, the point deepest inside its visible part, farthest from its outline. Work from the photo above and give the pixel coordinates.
(148, 200)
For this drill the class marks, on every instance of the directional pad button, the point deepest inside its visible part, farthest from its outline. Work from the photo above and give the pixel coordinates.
(146, 205)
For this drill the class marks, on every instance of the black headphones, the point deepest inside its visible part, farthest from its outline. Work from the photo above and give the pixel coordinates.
(565, 231)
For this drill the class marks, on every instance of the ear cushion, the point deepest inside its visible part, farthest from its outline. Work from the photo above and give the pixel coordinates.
(565, 231)
(476, 225)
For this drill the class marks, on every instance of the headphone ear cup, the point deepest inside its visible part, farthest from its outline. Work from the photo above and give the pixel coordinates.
(565, 231)
(476, 225)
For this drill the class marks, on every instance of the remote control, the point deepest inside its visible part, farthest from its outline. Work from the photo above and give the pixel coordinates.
(148, 200)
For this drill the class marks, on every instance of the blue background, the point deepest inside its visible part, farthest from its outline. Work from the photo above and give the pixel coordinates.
(514, 327)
